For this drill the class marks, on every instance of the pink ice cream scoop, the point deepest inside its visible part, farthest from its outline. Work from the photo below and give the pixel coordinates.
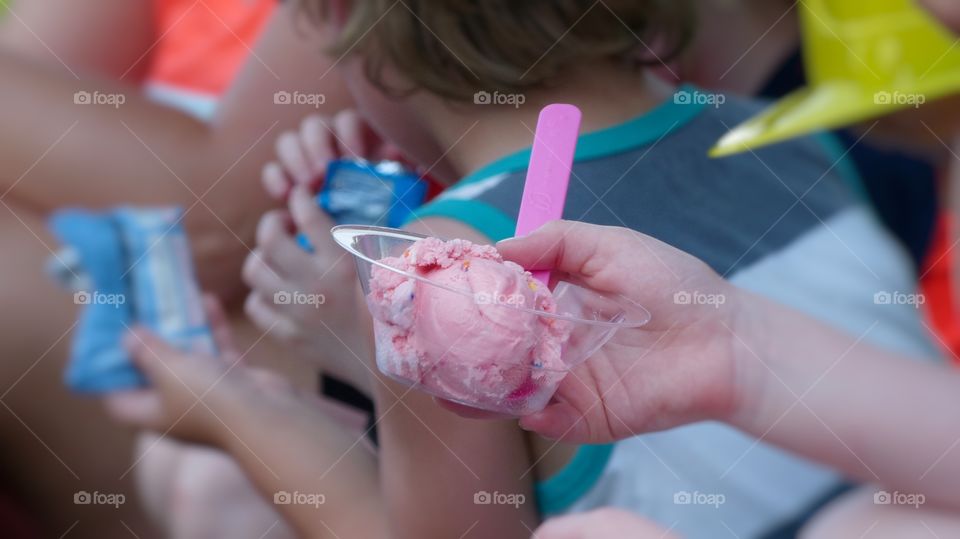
(455, 320)
(471, 333)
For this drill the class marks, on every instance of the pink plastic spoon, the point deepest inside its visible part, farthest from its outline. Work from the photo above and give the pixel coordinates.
(548, 176)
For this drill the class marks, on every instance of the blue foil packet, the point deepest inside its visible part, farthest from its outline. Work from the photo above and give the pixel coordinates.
(127, 267)
(359, 192)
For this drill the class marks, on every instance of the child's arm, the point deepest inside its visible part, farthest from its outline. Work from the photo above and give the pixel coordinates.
(321, 479)
(144, 153)
(112, 38)
(875, 415)
(435, 466)
(857, 514)
(762, 367)
(139, 152)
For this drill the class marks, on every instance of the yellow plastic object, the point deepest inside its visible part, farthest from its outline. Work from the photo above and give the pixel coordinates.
(864, 59)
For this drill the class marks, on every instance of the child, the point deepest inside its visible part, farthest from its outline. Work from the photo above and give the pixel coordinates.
(784, 222)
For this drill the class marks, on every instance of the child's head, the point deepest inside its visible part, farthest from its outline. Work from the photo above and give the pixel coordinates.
(463, 50)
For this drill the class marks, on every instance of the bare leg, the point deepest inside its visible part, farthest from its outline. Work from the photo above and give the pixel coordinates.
(859, 515)
(55, 444)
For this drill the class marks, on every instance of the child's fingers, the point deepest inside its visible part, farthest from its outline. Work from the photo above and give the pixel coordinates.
(349, 129)
(290, 153)
(261, 277)
(149, 353)
(265, 316)
(220, 326)
(558, 421)
(277, 246)
(318, 143)
(562, 245)
(310, 219)
(275, 181)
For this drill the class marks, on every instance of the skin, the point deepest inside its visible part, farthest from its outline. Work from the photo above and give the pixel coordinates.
(221, 403)
(854, 515)
(66, 445)
(753, 359)
(609, 523)
(947, 11)
(157, 145)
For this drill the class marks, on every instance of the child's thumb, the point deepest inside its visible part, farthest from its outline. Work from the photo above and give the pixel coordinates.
(562, 245)
(558, 421)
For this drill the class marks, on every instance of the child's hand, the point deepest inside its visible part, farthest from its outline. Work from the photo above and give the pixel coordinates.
(190, 396)
(307, 300)
(303, 156)
(678, 368)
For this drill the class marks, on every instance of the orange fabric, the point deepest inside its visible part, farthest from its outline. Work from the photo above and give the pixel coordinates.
(203, 43)
(938, 289)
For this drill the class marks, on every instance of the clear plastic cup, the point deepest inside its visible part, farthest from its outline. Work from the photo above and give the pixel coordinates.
(476, 364)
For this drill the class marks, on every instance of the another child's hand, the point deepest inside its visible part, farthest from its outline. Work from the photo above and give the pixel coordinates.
(307, 300)
(191, 396)
(679, 368)
(303, 156)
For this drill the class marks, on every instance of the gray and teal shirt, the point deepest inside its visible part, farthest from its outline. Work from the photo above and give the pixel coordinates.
(787, 222)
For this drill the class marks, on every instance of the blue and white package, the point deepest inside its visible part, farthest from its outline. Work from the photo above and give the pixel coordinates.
(98, 363)
(128, 267)
(359, 192)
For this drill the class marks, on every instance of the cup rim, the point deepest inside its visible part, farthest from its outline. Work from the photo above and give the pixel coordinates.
(342, 234)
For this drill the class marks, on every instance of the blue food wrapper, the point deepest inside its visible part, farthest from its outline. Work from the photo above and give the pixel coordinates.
(359, 192)
(128, 267)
